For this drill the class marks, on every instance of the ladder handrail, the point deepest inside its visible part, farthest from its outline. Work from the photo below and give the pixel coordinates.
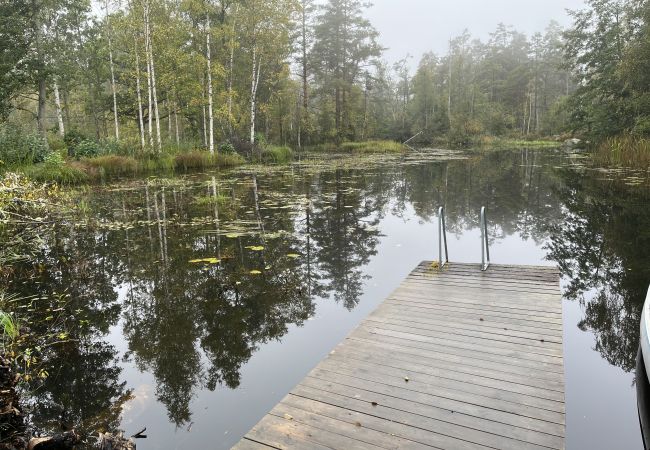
(442, 235)
(485, 245)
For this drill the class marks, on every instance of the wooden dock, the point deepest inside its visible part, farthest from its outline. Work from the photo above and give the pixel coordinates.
(453, 359)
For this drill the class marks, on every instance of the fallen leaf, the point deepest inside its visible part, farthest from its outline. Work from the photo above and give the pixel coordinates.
(293, 255)
(255, 248)
(255, 272)
(288, 416)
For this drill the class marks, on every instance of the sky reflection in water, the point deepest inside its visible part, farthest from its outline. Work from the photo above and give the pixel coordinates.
(198, 351)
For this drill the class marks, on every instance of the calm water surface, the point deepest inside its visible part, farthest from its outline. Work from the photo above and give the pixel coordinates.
(198, 302)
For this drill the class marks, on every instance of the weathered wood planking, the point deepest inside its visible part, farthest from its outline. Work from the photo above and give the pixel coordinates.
(458, 359)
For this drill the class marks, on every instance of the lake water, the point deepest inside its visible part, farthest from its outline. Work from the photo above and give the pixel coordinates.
(195, 303)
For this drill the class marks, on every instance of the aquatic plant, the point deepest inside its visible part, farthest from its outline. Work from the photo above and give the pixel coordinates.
(277, 154)
(9, 326)
(625, 150)
(373, 146)
(114, 165)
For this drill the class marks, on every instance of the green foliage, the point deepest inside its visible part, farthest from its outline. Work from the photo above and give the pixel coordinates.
(86, 149)
(277, 154)
(10, 327)
(72, 138)
(54, 159)
(260, 140)
(603, 104)
(18, 147)
(15, 18)
(226, 148)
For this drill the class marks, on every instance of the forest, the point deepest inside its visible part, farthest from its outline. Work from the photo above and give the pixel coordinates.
(147, 78)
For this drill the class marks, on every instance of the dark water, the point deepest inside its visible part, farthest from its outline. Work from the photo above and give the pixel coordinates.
(198, 351)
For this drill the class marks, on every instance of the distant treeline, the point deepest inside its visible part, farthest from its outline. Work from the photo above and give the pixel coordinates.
(203, 72)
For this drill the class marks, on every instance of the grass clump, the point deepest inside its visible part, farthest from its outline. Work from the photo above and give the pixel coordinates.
(197, 159)
(503, 143)
(374, 146)
(625, 150)
(277, 154)
(56, 169)
(113, 165)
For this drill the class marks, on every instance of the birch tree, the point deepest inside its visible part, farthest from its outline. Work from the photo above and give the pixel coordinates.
(112, 67)
(208, 57)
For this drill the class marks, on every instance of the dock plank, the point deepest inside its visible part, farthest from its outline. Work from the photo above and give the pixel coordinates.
(457, 358)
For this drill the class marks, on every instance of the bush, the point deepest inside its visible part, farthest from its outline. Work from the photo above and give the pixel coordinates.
(72, 138)
(226, 148)
(110, 147)
(86, 149)
(277, 154)
(19, 147)
(260, 140)
(54, 159)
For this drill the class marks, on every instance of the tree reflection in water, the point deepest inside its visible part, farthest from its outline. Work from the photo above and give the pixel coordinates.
(601, 246)
(307, 236)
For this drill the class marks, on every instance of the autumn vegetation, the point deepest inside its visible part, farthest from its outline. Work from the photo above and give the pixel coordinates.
(117, 88)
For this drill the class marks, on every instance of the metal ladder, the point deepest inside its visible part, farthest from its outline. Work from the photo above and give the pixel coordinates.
(442, 239)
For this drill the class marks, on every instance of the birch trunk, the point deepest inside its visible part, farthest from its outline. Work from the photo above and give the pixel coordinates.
(59, 113)
(153, 83)
(146, 54)
(110, 59)
(178, 136)
(138, 90)
(230, 76)
(255, 78)
(208, 56)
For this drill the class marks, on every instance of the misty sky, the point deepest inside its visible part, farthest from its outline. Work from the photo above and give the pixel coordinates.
(417, 26)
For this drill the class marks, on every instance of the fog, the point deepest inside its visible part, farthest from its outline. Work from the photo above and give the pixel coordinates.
(416, 26)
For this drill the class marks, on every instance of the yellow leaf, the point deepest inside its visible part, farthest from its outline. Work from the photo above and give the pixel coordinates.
(255, 272)
(255, 248)
(293, 255)
(205, 260)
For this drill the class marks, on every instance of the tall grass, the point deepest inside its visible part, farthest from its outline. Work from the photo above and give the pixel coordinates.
(503, 143)
(624, 150)
(9, 326)
(277, 154)
(114, 165)
(374, 146)
(197, 159)
(108, 166)
(61, 174)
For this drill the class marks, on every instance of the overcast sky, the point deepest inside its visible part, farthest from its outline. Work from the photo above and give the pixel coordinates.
(417, 26)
